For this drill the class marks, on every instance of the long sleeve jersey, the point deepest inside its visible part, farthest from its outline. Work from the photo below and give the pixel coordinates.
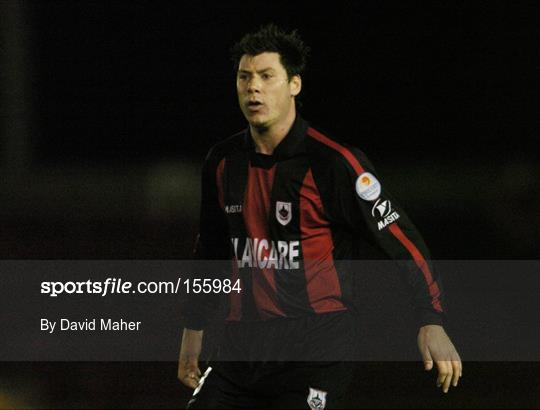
(286, 221)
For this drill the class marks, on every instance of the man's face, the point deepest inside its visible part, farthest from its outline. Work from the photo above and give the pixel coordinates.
(265, 94)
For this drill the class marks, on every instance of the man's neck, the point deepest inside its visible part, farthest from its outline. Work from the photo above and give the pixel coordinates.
(267, 139)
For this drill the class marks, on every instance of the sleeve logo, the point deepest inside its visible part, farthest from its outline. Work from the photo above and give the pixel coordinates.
(383, 209)
(368, 187)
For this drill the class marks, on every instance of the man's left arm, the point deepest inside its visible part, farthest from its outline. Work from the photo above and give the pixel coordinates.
(376, 210)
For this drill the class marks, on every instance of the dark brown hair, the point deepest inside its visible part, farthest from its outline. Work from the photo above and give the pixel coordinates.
(270, 38)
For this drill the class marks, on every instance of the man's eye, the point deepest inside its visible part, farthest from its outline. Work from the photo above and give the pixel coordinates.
(266, 76)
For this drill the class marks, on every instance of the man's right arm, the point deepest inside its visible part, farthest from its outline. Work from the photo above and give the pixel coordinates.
(212, 244)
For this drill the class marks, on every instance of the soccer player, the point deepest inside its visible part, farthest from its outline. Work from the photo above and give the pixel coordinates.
(287, 203)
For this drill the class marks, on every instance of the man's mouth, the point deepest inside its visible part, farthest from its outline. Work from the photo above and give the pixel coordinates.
(254, 105)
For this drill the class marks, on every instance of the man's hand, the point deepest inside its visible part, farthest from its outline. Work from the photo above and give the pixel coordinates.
(435, 345)
(188, 362)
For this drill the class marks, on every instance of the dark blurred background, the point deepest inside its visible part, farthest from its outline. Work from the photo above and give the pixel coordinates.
(108, 109)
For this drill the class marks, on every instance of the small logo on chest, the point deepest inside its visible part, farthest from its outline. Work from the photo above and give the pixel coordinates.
(283, 212)
(233, 209)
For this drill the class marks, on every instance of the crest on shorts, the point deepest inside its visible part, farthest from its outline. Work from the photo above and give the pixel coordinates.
(316, 399)
(283, 212)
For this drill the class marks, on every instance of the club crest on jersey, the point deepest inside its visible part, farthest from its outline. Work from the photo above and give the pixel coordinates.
(283, 212)
(316, 399)
(368, 187)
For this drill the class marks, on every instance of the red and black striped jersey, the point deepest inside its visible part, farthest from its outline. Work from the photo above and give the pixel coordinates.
(287, 220)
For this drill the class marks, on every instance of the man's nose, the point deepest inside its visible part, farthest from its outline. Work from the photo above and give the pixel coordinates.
(254, 84)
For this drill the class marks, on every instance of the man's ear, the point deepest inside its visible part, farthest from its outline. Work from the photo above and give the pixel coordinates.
(295, 85)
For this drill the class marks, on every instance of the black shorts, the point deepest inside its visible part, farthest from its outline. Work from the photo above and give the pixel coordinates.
(283, 363)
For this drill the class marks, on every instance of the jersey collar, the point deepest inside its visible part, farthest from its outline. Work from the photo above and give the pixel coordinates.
(291, 145)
